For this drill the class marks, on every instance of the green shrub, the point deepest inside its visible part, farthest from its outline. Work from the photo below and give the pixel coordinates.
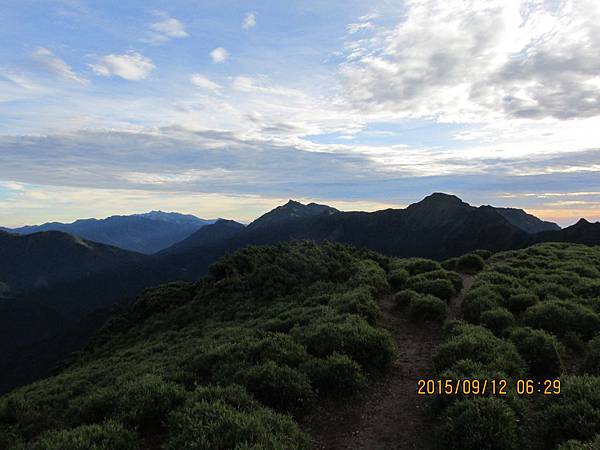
(592, 360)
(440, 288)
(204, 425)
(470, 263)
(578, 445)
(518, 303)
(479, 300)
(279, 386)
(427, 308)
(107, 436)
(539, 349)
(485, 254)
(405, 297)
(416, 266)
(478, 344)
(481, 423)
(358, 301)
(497, 320)
(575, 414)
(145, 403)
(336, 374)
(561, 316)
(398, 278)
(450, 263)
(548, 290)
(370, 347)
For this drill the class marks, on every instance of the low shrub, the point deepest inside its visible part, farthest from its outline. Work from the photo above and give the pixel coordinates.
(518, 303)
(427, 308)
(561, 316)
(278, 386)
(416, 266)
(450, 263)
(405, 297)
(370, 347)
(480, 423)
(497, 320)
(479, 300)
(440, 288)
(336, 374)
(539, 349)
(358, 301)
(110, 435)
(478, 344)
(575, 414)
(398, 278)
(218, 425)
(578, 445)
(470, 263)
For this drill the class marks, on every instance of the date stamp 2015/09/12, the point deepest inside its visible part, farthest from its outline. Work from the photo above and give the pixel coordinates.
(485, 386)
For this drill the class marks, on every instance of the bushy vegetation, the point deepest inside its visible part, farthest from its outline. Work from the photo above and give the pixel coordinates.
(224, 363)
(531, 313)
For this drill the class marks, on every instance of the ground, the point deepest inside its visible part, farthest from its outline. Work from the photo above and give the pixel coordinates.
(389, 415)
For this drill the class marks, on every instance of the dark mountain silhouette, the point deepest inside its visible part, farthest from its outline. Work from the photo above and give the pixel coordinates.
(220, 231)
(526, 221)
(583, 232)
(70, 277)
(145, 233)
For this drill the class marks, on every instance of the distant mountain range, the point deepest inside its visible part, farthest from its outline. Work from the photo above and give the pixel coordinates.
(50, 281)
(144, 233)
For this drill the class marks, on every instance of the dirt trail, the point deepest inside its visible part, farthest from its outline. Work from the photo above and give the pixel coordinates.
(390, 414)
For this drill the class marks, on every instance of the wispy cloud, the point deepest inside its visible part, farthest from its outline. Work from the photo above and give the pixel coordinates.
(249, 21)
(202, 81)
(219, 55)
(56, 65)
(131, 66)
(165, 29)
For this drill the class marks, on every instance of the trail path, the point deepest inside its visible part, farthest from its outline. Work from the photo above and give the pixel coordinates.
(390, 414)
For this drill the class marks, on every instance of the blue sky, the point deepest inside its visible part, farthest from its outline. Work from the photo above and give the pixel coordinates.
(230, 108)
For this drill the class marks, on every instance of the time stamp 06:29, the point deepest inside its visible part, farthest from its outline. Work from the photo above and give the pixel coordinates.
(488, 387)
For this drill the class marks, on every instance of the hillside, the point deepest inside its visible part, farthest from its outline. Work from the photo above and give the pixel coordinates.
(144, 233)
(215, 364)
(41, 260)
(294, 329)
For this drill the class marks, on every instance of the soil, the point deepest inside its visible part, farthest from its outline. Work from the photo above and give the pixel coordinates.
(388, 414)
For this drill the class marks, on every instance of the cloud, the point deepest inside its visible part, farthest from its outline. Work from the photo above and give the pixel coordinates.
(56, 65)
(249, 84)
(219, 55)
(249, 21)
(201, 81)
(472, 61)
(131, 66)
(165, 29)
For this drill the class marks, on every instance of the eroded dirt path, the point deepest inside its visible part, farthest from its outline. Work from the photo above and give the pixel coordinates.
(389, 414)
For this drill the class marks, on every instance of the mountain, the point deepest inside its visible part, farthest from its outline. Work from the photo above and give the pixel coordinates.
(583, 232)
(144, 233)
(525, 221)
(40, 260)
(289, 213)
(220, 231)
(49, 279)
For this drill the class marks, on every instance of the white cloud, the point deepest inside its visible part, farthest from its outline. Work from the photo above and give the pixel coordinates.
(57, 65)
(219, 55)
(131, 66)
(165, 29)
(249, 20)
(202, 81)
(249, 84)
(473, 61)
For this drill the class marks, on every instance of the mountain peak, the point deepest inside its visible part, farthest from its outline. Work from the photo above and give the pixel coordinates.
(290, 211)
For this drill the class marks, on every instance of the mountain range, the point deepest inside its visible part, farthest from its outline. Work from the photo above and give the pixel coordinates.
(144, 233)
(50, 282)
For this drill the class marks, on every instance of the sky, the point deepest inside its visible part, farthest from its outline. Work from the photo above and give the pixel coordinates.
(230, 108)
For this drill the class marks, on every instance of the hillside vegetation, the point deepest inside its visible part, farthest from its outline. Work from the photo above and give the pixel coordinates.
(531, 314)
(220, 364)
